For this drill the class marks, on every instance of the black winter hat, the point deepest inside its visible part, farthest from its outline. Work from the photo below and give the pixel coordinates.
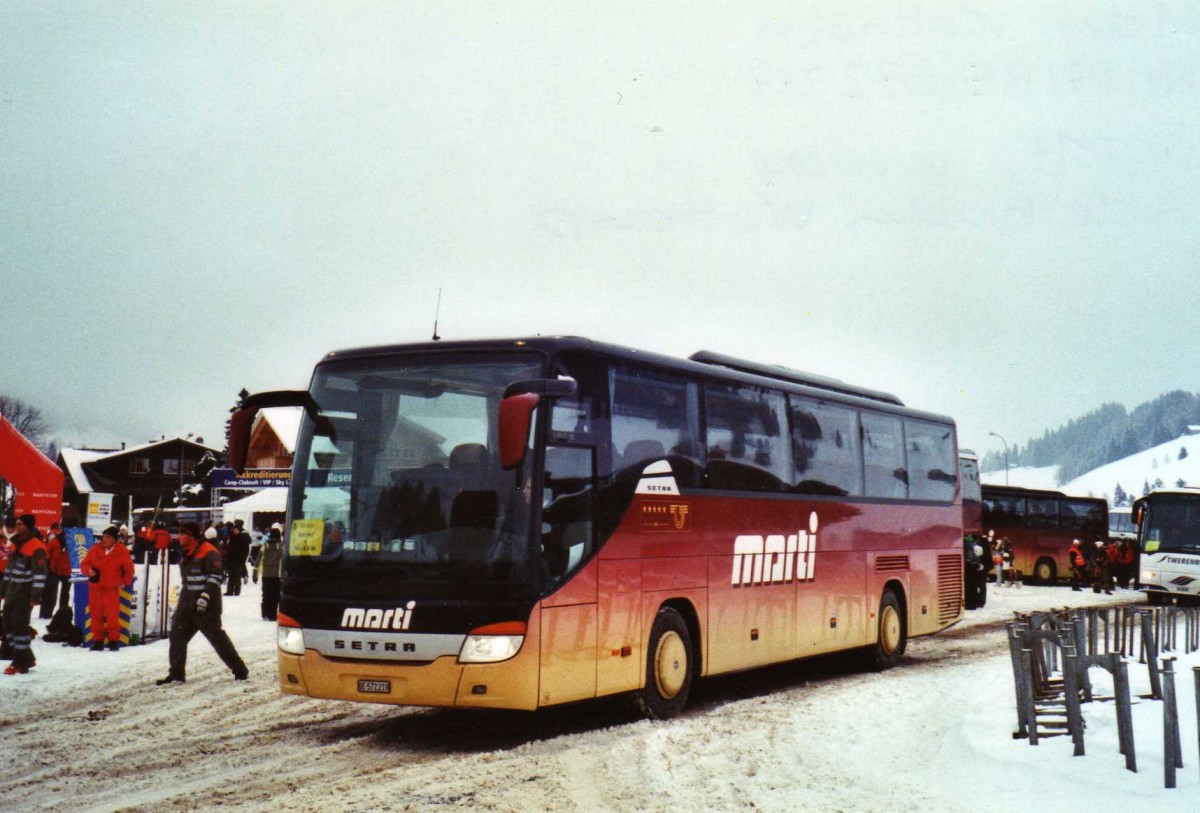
(111, 530)
(273, 535)
(29, 520)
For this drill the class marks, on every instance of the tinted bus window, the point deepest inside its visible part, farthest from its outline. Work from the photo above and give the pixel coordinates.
(1083, 516)
(931, 459)
(745, 438)
(1041, 512)
(655, 415)
(825, 448)
(883, 456)
(1003, 512)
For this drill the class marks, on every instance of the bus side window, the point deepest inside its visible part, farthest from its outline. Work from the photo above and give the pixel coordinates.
(931, 459)
(1042, 512)
(883, 456)
(745, 435)
(655, 416)
(825, 448)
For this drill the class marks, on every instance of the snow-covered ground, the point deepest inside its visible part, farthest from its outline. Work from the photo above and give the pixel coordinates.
(91, 732)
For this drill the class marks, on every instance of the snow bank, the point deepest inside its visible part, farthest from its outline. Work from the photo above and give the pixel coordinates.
(91, 732)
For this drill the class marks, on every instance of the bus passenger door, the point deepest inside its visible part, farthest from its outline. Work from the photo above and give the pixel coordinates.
(569, 622)
(568, 662)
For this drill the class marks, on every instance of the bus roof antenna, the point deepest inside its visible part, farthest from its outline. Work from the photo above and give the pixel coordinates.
(437, 312)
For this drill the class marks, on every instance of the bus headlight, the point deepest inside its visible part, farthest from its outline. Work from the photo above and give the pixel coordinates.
(493, 643)
(291, 640)
(1149, 575)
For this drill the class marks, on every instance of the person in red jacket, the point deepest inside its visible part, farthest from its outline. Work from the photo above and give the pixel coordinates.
(109, 568)
(1079, 565)
(58, 580)
(1120, 562)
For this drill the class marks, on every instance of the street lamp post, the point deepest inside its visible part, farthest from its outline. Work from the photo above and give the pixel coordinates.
(1005, 442)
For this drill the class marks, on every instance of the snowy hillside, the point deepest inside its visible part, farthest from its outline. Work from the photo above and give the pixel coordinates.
(1163, 466)
(1023, 476)
(1168, 462)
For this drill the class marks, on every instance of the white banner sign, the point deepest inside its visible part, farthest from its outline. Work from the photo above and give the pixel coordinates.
(99, 511)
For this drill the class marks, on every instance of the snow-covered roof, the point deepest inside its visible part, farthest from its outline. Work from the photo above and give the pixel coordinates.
(285, 423)
(74, 459)
(152, 444)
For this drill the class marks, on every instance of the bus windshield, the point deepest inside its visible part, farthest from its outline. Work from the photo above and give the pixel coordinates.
(397, 484)
(1172, 526)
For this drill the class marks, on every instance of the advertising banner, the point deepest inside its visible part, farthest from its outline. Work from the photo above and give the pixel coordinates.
(99, 511)
(251, 478)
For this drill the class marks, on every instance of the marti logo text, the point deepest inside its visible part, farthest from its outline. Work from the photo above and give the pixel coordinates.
(775, 559)
(357, 618)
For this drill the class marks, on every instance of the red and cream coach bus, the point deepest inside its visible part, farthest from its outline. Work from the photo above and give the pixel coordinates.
(522, 523)
(1040, 525)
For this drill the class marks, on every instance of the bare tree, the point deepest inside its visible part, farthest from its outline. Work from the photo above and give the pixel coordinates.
(25, 418)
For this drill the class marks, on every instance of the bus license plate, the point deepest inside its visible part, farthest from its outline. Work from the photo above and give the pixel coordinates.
(375, 686)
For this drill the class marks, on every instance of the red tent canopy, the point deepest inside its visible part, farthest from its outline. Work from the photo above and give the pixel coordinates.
(39, 483)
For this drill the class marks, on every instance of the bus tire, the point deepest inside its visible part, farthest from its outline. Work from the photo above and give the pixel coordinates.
(1045, 572)
(892, 638)
(670, 666)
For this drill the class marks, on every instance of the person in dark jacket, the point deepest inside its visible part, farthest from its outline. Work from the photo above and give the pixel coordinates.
(239, 550)
(24, 581)
(199, 608)
(270, 562)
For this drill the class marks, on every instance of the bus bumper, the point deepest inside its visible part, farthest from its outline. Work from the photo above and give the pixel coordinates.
(511, 684)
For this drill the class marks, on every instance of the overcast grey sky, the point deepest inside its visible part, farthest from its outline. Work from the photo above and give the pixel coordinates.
(988, 208)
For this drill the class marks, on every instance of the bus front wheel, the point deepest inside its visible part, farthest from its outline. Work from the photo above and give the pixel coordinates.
(670, 666)
(893, 634)
(1044, 572)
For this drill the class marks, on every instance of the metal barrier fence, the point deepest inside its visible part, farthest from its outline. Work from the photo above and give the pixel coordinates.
(1052, 653)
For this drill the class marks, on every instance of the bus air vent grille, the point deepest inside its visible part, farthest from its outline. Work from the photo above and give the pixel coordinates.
(950, 577)
(891, 564)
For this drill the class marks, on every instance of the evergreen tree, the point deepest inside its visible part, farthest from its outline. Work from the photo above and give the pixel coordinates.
(243, 394)
(1180, 483)
(1182, 452)
(1158, 483)
(1145, 487)
(1119, 496)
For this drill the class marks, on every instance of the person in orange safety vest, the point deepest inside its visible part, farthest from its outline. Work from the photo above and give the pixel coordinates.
(108, 567)
(1079, 565)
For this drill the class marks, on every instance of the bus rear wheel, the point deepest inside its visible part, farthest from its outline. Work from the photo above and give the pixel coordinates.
(892, 639)
(670, 666)
(1044, 572)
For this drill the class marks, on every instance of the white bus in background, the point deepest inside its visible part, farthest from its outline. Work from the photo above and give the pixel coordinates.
(1120, 524)
(1168, 524)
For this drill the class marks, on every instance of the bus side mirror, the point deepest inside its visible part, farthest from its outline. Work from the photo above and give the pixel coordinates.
(515, 412)
(1136, 514)
(238, 439)
(516, 407)
(242, 422)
